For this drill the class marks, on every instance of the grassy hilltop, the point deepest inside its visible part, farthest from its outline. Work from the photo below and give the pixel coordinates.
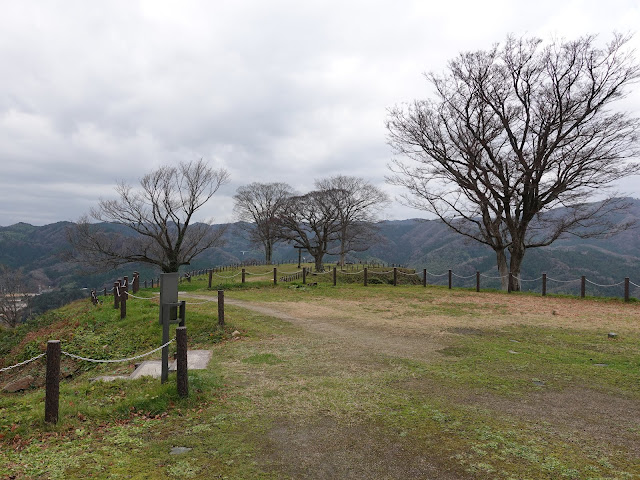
(337, 382)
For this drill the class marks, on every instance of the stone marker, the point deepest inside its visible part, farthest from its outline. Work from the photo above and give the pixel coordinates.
(20, 384)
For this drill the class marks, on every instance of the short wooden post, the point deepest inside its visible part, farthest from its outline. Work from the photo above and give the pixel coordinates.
(52, 382)
(366, 277)
(116, 295)
(105, 291)
(544, 284)
(510, 285)
(395, 276)
(210, 277)
(583, 286)
(335, 276)
(221, 308)
(304, 275)
(449, 279)
(136, 282)
(477, 281)
(181, 362)
(626, 289)
(275, 275)
(244, 273)
(424, 277)
(124, 294)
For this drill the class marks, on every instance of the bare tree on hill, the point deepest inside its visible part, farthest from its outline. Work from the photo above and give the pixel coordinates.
(357, 202)
(159, 216)
(13, 288)
(261, 204)
(514, 132)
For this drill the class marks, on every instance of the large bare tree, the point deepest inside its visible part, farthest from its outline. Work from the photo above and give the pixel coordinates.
(13, 289)
(159, 216)
(311, 221)
(514, 132)
(357, 202)
(261, 204)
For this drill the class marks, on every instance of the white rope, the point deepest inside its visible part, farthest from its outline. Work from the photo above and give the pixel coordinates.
(259, 274)
(494, 278)
(563, 281)
(289, 273)
(598, 285)
(459, 276)
(321, 273)
(523, 280)
(634, 284)
(437, 275)
(140, 298)
(23, 363)
(381, 273)
(226, 276)
(78, 357)
(409, 274)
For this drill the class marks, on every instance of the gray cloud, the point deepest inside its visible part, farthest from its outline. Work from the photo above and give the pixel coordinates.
(272, 91)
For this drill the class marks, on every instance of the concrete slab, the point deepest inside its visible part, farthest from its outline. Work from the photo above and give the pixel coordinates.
(196, 360)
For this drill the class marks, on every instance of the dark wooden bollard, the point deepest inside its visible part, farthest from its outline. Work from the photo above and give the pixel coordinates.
(583, 286)
(304, 275)
(52, 396)
(395, 277)
(116, 295)
(244, 273)
(275, 275)
(626, 289)
(450, 280)
(210, 277)
(366, 278)
(544, 284)
(424, 277)
(221, 308)
(181, 360)
(335, 276)
(477, 281)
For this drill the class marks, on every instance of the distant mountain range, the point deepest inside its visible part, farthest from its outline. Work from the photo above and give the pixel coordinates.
(39, 251)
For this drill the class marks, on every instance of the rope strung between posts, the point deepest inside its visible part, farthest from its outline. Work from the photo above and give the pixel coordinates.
(226, 276)
(634, 284)
(353, 273)
(140, 298)
(409, 274)
(563, 281)
(259, 274)
(494, 278)
(381, 273)
(437, 275)
(23, 363)
(523, 280)
(289, 273)
(598, 285)
(460, 276)
(78, 357)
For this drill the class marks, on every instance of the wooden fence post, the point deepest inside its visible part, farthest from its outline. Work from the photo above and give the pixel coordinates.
(244, 273)
(626, 289)
(449, 279)
(335, 276)
(116, 295)
(304, 275)
(275, 275)
(583, 286)
(366, 278)
(210, 277)
(424, 277)
(52, 395)
(181, 360)
(221, 308)
(544, 284)
(124, 294)
(477, 281)
(395, 276)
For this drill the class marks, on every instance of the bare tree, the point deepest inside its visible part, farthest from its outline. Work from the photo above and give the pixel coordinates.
(159, 217)
(357, 202)
(514, 132)
(261, 204)
(12, 296)
(311, 221)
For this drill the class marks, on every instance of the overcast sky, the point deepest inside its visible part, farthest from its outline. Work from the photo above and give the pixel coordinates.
(95, 92)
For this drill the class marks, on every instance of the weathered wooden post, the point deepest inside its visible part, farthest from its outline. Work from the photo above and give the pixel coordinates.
(626, 289)
(116, 295)
(210, 277)
(181, 361)
(304, 275)
(335, 276)
(275, 275)
(544, 284)
(395, 276)
(424, 277)
(450, 280)
(105, 292)
(366, 278)
(124, 295)
(583, 286)
(477, 281)
(136, 282)
(244, 273)
(52, 382)
(221, 308)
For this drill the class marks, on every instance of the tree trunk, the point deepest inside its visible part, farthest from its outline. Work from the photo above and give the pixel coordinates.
(268, 250)
(318, 259)
(503, 269)
(517, 255)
